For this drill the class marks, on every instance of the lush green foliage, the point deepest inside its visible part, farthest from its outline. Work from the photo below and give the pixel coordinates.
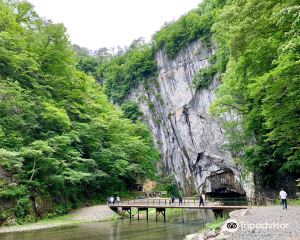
(215, 225)
(193, 26)
(124, 72)
(131, 110)
(89, 62)
(60, 138)
(85, 62)
(257, 58)
(167, 183)
(204, 77)
(261, 84)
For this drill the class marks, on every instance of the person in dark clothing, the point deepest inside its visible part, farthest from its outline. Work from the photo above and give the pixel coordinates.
(201, 201)
(180, 199)
(172, 199)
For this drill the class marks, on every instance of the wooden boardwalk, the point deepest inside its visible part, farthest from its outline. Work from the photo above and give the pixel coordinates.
(178, 206)
(162, 204)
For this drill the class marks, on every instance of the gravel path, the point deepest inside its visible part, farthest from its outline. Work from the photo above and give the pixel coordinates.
(92, 214)
(86, 214)
(260, 217)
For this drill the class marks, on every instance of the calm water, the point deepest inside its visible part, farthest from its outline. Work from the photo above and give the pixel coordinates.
(176, 227)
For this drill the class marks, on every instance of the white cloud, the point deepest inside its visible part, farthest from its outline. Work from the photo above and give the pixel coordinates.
(107, 23)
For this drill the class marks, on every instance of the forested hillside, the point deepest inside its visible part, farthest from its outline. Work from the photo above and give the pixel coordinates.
(261, 83)
(257, 60)
(61, 141)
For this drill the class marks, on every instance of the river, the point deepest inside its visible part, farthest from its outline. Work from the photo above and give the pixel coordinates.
(178, 224)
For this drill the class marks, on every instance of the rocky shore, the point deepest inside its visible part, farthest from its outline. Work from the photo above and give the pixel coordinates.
(257, 223)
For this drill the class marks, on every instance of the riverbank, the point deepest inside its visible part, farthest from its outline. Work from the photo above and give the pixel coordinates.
(83, 215)
(177, 225)
(97, 213)
(270, 222)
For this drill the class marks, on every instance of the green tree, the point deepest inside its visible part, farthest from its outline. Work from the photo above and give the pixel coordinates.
(131, 110)
(261, 82)
(60, 137)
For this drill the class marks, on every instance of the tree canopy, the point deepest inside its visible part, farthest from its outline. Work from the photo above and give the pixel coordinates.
(256, 58)
(261, 84)
(60, 137)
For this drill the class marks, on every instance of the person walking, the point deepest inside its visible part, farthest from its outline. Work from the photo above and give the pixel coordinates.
(201, 201)
(203, 197)
(283, 196)
(173, 199)
(180, 200)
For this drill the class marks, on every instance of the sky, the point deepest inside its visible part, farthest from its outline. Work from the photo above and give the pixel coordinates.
(110, 23)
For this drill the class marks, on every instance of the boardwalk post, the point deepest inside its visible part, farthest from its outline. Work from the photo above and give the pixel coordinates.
(161, 208)
(147, 213)
(140, 209)
(218, 212)
(126, 209)
(162, 211)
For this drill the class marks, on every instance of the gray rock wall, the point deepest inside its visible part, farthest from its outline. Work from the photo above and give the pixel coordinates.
(189, 139)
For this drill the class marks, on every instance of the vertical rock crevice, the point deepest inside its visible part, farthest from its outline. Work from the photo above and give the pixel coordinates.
(189, 139)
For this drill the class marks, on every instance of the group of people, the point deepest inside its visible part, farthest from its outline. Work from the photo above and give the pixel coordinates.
(201, 200)
(113, 200)
(172, 200)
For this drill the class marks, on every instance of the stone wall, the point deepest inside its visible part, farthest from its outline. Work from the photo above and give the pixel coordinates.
(189, 139)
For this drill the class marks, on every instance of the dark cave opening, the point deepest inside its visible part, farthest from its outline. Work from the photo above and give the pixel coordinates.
(224, 192)
(227, 197)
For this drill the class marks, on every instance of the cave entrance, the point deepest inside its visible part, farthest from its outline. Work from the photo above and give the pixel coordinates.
(227, 197)
(224, 192)
(224, 187)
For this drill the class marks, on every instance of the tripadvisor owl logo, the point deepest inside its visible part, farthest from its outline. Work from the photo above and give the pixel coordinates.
(231, 225)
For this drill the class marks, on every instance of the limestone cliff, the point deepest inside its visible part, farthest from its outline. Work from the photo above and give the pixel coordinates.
(189, 139)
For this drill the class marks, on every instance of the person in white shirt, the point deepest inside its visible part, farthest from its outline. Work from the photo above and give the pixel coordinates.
(203, 197)
(283, 196)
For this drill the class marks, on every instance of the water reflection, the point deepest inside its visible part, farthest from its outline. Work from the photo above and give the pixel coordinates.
(177, 226)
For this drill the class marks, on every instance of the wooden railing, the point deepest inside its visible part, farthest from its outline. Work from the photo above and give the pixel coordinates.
(185, 202)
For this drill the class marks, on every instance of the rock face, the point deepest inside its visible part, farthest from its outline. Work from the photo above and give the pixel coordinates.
(189, 139)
